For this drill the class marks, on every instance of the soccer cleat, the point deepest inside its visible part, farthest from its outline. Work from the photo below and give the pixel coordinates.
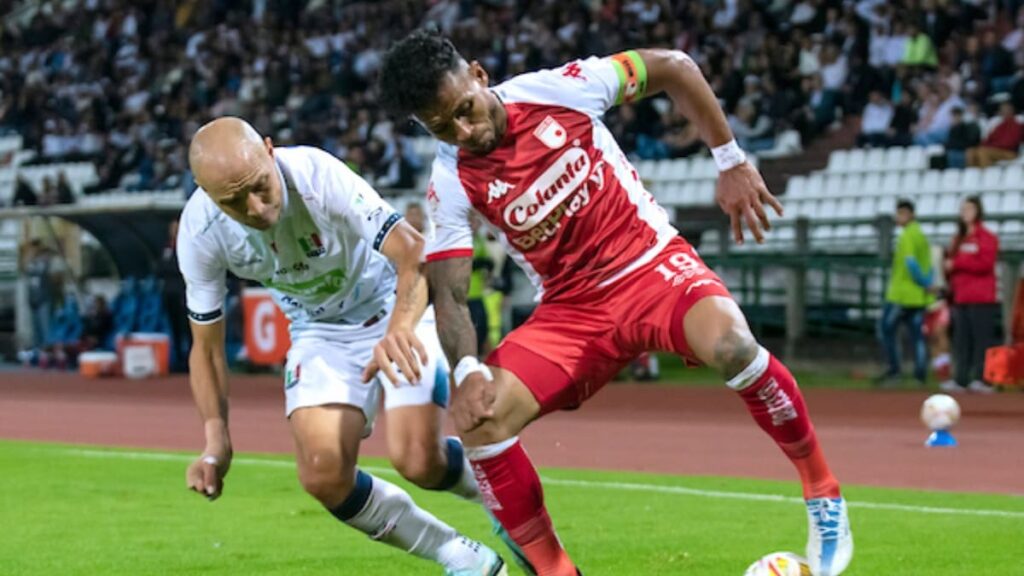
(486, 562)
(951, 387)
(829, 541)
(517, 552)
(979, 387)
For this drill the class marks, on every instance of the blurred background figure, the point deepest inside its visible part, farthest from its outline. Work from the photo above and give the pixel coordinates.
(906, 297)
(971, 268)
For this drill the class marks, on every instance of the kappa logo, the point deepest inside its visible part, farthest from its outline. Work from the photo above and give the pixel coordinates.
(432, 197)
(574, 70)
(551, 133)
(497, 190)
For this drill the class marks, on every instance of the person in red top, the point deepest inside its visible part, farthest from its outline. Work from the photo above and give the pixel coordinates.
(1002, 143)
(534, 158)
(971, 268)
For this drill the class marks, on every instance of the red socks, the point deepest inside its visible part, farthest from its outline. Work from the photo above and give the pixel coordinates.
(774, 400)
(511, 489)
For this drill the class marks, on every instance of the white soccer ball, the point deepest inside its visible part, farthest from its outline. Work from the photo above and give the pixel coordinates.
(940, 412)
(779, 564)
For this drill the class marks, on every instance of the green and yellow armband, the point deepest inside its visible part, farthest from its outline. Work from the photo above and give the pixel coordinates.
(632, 76)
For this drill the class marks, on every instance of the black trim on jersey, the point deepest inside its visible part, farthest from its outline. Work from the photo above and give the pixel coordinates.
(383, 233)
(206, 317)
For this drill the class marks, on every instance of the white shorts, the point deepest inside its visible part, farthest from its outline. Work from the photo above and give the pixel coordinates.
(328, 370)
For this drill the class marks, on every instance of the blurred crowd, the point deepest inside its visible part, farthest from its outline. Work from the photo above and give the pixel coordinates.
(125, 84)
(947, 80)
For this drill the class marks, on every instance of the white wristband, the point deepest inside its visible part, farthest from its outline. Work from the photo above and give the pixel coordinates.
(728, 155)
(468, 365)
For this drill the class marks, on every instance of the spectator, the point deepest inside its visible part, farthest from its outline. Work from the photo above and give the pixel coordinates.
(876, 120)
(415, 216)
(963, 135)
(903, 120)
(483, 266)
(753, 131)
(174, 300)
(42, 290)
(1002, 143)
(64, 193)
(920, 51)
(48, 196)
(23, 193)
(97, 324)
(971, 269)
(996, 63)
(933, 128)
(907, 296)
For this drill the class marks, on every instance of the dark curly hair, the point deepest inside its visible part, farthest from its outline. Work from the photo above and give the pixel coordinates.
(412, 71)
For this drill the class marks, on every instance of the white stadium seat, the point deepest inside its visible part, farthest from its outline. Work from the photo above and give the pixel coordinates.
(1013, 177)
(838, 161)
(950, 180)
(871, 184)
(930, 182)
(875, 160)
(865, 207)
(796, 187)
(991, 178)
(895, 159)
(891, 183)
(948, 205)
(834, 184)
(971, 182)
(815, 185)
(915, 158)
(909, 182)
(927, 205)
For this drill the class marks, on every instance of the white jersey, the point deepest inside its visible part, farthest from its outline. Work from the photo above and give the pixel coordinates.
(321, 260)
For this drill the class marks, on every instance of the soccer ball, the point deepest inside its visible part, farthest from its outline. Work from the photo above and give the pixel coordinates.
(940, 412)
(779, 564)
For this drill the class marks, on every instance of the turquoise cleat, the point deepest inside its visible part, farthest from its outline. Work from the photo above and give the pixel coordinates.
(829, 541)
(517, 552)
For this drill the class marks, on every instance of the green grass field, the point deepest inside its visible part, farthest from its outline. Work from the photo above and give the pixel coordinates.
(70, 510)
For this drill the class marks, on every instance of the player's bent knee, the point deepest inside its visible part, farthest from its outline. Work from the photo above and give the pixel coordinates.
(424, 466)
(325, 477)
(491, 431)
(735, 348)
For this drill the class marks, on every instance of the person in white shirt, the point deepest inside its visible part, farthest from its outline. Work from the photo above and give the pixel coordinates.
(875, 121)
(344, 267)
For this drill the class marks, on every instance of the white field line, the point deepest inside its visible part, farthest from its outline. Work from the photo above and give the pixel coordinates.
(589, 484)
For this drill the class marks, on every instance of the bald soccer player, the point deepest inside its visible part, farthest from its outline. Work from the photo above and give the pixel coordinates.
(344, 267)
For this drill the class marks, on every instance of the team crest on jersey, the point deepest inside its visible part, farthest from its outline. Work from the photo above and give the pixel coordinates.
(551, 133)
(291, 377)
(312, 246)
(497, 190)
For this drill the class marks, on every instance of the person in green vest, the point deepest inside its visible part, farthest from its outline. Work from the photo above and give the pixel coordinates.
(907, 296)
(480, 278)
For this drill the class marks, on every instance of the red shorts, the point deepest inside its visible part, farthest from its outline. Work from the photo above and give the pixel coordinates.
(569, 350)
(936, 318)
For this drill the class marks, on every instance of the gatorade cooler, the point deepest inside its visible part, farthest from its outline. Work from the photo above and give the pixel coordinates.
(144, 354)
(97, 364)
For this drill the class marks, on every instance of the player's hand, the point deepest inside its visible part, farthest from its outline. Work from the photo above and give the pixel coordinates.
(206, 474)
(399, 346)
(742, 194)
(473, 402)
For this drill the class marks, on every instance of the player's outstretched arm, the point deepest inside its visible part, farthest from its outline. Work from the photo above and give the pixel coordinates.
(404, 247)
(741, 191)
(473, 399)
(208, 378)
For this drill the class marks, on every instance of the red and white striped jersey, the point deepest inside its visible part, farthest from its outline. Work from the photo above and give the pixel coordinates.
(571, 209)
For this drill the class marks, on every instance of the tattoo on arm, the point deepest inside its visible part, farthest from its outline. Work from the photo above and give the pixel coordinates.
(449, 280)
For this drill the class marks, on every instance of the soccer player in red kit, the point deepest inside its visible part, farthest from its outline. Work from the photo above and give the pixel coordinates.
(616, 279)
